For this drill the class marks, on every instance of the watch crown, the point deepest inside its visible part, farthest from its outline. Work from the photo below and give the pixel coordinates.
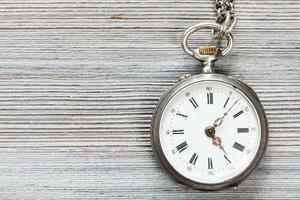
(208, 50)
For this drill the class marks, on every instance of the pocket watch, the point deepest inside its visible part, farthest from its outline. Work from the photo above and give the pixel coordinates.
(209, 131)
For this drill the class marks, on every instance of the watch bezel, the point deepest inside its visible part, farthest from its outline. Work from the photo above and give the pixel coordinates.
(155, 126)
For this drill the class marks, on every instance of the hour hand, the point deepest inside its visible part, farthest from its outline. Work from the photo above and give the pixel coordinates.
(210, 132)
(218, 142)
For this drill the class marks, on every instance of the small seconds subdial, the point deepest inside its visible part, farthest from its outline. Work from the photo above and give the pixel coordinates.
(210, 132)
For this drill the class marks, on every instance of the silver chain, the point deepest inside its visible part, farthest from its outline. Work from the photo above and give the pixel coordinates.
(225, 16)
(220, 29)
(222, 8)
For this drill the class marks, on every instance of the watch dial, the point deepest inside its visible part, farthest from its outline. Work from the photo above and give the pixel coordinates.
(210, 132)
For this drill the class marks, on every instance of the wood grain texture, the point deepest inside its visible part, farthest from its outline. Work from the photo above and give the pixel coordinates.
(79, 81)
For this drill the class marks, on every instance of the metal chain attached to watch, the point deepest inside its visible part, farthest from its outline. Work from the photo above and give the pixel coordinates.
(225, 16)
(222, 7)
(220, 30)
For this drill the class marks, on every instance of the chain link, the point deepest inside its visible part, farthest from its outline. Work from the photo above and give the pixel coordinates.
(225, 17)
(222, 8)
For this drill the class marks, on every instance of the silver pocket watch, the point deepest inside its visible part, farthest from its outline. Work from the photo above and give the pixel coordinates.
(209, 131)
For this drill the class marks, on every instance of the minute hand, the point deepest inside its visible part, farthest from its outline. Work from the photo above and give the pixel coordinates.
(219, 120)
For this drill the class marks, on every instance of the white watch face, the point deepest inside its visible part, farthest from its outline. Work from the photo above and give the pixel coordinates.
(210, 159)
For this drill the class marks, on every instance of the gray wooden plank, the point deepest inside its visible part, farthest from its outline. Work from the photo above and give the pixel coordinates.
(79, 81)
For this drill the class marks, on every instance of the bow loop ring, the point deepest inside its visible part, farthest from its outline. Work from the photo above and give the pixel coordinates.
(213, 26)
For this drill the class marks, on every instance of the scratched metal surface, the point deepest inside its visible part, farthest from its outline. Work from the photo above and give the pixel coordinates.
(79, 81)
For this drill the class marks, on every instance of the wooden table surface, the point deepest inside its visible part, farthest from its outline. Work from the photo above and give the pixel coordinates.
(79, 81)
